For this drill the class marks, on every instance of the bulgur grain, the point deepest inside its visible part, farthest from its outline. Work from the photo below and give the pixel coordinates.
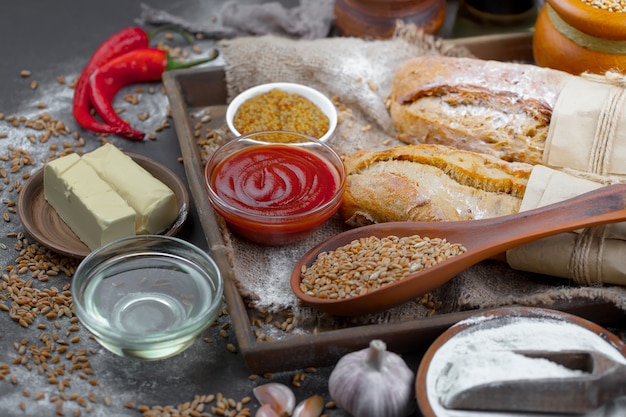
(280, 110)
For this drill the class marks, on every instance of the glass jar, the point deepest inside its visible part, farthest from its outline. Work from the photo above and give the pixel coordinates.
(574, 36)
(376, 19)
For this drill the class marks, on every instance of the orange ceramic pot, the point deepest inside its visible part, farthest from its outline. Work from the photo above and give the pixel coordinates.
(572, 36)
(376, 19)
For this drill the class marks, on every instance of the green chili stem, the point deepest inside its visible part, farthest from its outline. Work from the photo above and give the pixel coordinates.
(173, 64)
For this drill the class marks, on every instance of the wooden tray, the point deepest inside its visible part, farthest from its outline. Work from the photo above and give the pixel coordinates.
(190, 92)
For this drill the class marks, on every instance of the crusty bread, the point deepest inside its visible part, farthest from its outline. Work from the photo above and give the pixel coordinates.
(499, 108)
(429, 183)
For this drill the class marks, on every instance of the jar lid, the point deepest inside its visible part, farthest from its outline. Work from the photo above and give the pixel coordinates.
(591, 20)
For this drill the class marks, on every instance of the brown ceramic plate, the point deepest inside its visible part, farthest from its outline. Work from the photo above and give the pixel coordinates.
(44, 225)
(507, 328)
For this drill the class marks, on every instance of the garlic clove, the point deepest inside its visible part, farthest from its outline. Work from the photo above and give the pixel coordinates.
(266, 410)
(279, 396)
(373, 382)
(311, 407)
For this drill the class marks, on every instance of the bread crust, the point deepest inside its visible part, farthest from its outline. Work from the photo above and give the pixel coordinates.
(499, 108)
(424, 182)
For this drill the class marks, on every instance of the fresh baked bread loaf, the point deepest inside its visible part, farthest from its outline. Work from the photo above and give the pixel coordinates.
(429, 183)
(499, 108)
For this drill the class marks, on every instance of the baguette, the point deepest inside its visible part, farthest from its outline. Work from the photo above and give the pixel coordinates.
(429, 183)
(498, 108)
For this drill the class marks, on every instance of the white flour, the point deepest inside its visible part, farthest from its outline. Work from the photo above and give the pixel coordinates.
(482, 353)
(480, 368)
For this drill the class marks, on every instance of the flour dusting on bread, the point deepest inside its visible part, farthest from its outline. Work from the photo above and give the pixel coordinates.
(430, 183)
(502, 109)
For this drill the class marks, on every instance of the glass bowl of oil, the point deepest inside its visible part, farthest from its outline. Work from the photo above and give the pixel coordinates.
(147, 297)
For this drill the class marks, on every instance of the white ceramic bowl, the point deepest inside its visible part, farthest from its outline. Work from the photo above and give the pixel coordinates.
(317, 98)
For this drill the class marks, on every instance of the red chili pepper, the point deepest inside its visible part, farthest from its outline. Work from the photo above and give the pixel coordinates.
(117, 44)
(137, 66)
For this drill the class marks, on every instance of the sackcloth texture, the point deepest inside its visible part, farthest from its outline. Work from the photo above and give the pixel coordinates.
(357, 74)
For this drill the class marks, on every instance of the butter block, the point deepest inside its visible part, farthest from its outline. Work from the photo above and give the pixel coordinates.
(86, 203)
(154, 202)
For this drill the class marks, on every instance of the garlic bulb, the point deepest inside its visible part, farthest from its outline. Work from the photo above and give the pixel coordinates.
(373, 382)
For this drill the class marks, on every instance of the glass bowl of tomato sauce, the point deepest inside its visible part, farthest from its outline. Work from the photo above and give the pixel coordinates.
(275, 187)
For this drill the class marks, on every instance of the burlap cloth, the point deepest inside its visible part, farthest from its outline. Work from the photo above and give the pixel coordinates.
(357, 73)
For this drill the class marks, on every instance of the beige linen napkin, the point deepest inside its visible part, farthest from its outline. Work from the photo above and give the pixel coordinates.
(585, 149)
(588, 126)
(587, 256)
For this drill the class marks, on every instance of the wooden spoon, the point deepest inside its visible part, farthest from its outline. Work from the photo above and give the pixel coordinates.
(483, 239)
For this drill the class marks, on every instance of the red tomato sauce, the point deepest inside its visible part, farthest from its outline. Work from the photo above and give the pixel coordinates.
(275, 180)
